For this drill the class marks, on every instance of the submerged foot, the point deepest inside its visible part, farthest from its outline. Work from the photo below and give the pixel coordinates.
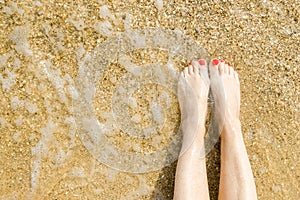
(193, 87)
(225, 87)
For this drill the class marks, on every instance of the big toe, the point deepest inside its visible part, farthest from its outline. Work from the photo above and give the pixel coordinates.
(214, 68)
(236, 76)
(203, 69)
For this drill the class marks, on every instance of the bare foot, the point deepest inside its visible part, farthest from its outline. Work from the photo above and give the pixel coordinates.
(225, 87)
(191, 176)
(193, 87)
(236, 179)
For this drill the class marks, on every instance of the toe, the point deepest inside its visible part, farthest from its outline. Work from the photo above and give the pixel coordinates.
(213, 68)
(191, 69)
(196, 69)
(196, 66)
(202, 62)
(186, 71)
(203, 69)
(181, 74)
(236, 76)
(226, 69)
(181, 77)
(231, 71)
(221, 67)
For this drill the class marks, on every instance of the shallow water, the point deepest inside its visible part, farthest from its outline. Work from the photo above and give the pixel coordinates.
(88, 94)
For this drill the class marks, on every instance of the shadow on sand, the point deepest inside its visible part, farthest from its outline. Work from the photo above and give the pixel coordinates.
(164, 187)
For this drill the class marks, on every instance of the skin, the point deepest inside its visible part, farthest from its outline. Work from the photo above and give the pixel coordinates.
(236, 180)
(191, 178)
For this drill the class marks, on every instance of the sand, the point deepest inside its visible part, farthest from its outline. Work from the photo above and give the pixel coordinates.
(45, 44)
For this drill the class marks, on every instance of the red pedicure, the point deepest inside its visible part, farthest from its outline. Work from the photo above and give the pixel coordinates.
(215, 61)
(201, 62)
(222, 61)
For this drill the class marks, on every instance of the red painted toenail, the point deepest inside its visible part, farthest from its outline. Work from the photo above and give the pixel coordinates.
(222, 61)
(201, 62)
(215, 61)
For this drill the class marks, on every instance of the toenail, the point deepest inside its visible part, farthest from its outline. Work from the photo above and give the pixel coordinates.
(222, 61)
(202, 62)
(215, 61)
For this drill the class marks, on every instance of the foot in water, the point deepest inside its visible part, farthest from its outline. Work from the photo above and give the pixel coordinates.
(191, 176)
(193, 87)
(236, 178)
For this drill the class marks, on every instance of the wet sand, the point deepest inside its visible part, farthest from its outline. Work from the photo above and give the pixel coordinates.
(44, 44)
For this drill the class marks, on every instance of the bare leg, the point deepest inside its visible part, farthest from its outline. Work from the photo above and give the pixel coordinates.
(236, 181)
(191, 178)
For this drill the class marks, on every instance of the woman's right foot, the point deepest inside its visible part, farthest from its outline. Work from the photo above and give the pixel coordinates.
(225, 87)
(236, 179)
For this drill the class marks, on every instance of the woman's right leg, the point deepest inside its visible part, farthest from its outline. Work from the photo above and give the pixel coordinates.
(236, 180)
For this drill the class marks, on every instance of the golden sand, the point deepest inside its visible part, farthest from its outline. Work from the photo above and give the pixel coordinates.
(43, 43)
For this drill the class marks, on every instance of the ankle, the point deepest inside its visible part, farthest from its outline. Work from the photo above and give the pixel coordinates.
(232, 122)
(232, 128)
